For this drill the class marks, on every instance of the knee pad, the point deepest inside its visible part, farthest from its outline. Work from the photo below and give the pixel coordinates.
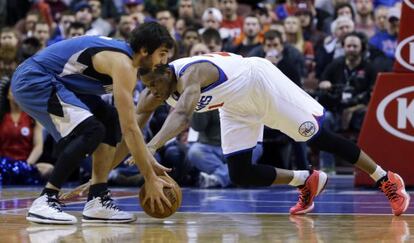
(239, 165)
(84, 139)
(243, 173)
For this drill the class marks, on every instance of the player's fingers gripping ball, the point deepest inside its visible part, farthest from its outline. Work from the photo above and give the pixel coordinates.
(173, 194)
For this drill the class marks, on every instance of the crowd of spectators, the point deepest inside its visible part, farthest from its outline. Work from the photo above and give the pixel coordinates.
(333, 49)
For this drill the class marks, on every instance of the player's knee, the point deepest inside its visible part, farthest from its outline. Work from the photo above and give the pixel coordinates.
(93, 134)
(239, 172)
(239, 178)
(84, 139)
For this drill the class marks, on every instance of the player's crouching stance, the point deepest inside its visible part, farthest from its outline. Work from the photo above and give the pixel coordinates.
(61, 87)
(250, 93)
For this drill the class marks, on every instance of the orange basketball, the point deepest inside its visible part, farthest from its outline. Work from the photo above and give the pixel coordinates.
(173, 194)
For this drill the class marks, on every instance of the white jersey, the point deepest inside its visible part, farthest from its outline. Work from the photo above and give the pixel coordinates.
(224, 89)
(252, 92)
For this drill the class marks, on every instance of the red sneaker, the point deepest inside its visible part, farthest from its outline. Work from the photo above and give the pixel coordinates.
(394, 189)
(314, 185)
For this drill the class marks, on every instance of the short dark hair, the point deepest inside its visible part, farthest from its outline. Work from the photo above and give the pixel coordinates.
(76, 25)
(361, 36)
(191, 29)
(344, 5)
(211, 34)
(272, 34)
(158, 69)
(151, 36)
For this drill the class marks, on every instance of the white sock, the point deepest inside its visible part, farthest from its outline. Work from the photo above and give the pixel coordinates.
(299, 177)
(378, 173)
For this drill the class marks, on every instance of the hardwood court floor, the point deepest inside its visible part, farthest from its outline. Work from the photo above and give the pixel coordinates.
(342, 214)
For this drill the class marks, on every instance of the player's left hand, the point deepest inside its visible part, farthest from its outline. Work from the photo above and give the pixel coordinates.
(160, 169)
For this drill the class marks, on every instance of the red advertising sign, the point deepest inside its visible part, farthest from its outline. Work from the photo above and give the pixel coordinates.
(404, 54)
(387, 134)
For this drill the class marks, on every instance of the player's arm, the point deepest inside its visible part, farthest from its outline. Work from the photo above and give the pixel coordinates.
(124, 79)
(147, 104)
(180, 117)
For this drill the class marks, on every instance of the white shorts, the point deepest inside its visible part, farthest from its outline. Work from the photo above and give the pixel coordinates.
(270, 99)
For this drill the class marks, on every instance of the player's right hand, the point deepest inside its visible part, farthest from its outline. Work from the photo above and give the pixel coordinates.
(155, 194)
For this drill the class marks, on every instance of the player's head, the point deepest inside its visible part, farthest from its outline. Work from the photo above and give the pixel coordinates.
(151, 43)
(161, 80)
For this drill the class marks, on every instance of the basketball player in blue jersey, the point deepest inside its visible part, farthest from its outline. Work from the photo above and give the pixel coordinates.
(61, 87)
(250, 93)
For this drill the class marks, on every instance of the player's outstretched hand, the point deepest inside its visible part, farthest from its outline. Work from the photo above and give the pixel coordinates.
(155, 194)
(79, 191)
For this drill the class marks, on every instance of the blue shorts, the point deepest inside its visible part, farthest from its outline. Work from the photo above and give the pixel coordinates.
(40, 94)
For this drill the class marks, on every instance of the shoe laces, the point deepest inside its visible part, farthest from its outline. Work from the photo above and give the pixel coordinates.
(53, 202)
(108, 202)
(304, 195)
(390, 190)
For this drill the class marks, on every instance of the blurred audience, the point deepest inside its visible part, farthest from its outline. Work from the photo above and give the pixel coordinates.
(308, 40)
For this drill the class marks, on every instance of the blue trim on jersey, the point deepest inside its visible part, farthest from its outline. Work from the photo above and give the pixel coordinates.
(239, 152)
(319, 120)
(222, 76)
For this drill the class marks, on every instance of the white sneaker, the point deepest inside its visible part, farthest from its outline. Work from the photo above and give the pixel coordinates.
(47, 210)
(208, 181)
(102, 209)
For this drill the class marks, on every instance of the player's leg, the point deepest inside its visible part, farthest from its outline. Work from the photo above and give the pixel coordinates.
(68, 121)
(100, 208)
(238, 140)
(389, 182)
(299, 116)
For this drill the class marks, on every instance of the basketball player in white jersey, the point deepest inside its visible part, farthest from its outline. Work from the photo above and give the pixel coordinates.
(250, 93)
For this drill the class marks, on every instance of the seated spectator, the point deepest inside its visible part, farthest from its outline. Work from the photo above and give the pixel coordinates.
(232, 24)
(198, 49)
(101, 26)
(364, 19)
(67, 17)
(309, 30)
(286, 57)
(83, 14)
(211, 18)
(186, 9)
(166, 18)
(380, 18)
(294, 37)
(190, 38)
(386, 41)
(76, 29)
(211, 38)
(8, 51)
(125, 25)
(249, 39)
(25, 27)
(20, 138)
(332, 47)
(42, 33)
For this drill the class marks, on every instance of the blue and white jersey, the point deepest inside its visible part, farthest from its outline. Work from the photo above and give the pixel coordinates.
(70, 61)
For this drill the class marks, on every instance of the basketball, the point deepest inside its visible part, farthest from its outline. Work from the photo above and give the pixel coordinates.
(173, 194)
